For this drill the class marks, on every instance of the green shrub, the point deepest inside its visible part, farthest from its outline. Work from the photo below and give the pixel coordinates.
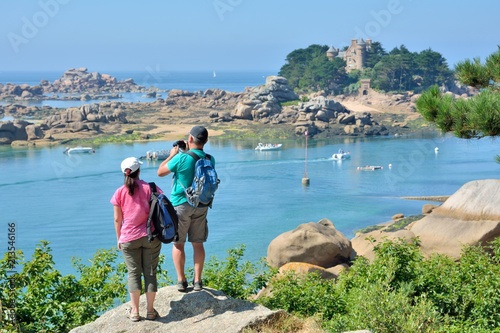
(238, 280)
(306, 295)
(401, 291)
(370, 229)
(402, 223)
(38, 298)
(291, 103)
(381, 309)
(46, 301)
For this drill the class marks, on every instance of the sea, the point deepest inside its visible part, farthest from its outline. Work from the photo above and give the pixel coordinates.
(65, 199)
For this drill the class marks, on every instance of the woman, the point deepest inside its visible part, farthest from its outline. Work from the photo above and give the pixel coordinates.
(131, 209)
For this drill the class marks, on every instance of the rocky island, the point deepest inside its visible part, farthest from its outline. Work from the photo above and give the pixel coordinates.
(274, 103)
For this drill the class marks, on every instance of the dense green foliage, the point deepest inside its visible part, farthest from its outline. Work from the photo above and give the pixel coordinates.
(38, 298)
(238, 280)
(310, 70)
(399, 70)
(476, 117)
(402, 70)
(401, 291)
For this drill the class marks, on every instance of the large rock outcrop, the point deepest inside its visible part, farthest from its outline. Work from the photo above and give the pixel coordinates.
(263, 102)
(194, 312)
(471, 216)
(88, 117)
(314, 243)
(79, 80)
(19, 130)
(77, 83)
(12, 91)
(320, 113)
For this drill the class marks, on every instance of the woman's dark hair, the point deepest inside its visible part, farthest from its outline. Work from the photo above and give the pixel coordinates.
(130, 179)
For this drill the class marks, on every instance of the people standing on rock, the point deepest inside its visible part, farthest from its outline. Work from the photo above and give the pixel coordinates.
(131, 209)
(193, 224)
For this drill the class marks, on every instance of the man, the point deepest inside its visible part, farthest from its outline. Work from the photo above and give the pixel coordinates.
(193, 225)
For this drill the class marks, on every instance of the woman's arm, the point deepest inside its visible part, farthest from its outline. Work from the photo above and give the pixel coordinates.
(118, 217)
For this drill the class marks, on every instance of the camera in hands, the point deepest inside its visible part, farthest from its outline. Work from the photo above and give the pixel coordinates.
(181, 144)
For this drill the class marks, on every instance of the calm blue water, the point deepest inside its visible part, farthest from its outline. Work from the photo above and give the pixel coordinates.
(191, 81)
(65, 199)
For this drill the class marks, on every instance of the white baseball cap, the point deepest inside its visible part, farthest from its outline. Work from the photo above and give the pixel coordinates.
(131, 163)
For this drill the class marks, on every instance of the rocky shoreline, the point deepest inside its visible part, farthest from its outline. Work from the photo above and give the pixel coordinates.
(74, 84)
(273, 105)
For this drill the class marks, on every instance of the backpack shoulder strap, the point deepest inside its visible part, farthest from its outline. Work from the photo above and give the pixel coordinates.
(193, 155)
(152, 209)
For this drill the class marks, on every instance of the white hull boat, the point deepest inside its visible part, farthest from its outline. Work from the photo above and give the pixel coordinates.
(341, 155)
(79, 150)
(156, 155)
(268, 146)
(370, 167)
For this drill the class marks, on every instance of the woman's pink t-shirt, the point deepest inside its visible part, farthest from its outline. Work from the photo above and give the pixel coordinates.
(135, 210)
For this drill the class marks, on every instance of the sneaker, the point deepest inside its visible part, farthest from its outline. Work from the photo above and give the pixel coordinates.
(197, 286)
(182, 285)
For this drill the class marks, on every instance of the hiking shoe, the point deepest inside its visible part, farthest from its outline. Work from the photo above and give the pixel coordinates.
(197, 286)
(182, 285)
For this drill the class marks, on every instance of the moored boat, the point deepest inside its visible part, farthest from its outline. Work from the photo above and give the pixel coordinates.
(79, 150)
(370, 167)
(268, 146)
(156, 155)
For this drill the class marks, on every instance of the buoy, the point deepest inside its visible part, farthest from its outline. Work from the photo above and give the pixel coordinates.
(305, 181)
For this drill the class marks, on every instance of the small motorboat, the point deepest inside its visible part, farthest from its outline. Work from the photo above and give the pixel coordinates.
(268, 146)
(79, 150)
(341, 155)
(156, 155)
(370, 167)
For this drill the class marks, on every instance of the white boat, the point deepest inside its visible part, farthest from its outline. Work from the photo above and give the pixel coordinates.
(341, 155)
(79, 150)
(156, 155)
(370, 167)
(268, 146)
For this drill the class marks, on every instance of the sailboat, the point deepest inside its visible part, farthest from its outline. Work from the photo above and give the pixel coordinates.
(215, 75)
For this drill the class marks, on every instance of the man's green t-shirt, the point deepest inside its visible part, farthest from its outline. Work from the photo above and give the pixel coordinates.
(182, 165)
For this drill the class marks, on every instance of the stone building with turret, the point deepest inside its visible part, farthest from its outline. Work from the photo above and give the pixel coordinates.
(354, 56)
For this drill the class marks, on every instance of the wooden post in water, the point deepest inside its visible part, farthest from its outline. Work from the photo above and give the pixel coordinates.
(305, 180)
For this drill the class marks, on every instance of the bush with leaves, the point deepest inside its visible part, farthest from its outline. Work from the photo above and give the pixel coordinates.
(236, 279)
(401, 291)
(40, 299)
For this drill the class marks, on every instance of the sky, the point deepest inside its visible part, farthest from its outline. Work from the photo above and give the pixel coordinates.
(239, 35)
